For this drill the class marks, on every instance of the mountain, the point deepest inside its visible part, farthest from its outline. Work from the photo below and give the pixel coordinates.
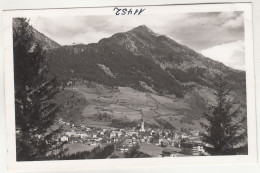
(40, 38)
(175, 80)
(140, 55)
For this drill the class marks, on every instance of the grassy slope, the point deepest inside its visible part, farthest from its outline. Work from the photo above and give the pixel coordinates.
(125, 104)
(71, 104)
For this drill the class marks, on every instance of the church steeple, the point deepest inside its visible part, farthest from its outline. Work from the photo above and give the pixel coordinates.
(142, 124)
(142, 120)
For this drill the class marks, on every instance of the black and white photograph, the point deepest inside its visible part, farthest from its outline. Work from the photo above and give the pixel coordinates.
(131, 84)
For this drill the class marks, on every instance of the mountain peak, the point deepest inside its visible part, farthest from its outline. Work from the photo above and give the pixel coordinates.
(142, 28)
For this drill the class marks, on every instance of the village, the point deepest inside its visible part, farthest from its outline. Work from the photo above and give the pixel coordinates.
(155, 142)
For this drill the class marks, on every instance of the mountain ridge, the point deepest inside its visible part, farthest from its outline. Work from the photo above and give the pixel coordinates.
(165, 52)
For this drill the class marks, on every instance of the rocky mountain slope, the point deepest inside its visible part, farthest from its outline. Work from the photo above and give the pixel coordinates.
(40, 38)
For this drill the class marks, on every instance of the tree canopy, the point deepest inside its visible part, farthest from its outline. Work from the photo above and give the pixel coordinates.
(226, 132)
(35, 108)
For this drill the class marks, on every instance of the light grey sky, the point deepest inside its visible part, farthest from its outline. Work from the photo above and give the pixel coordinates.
(219, 36)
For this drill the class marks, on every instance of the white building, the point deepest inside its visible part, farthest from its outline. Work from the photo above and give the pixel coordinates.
(71, 133)
(184, 136)
(112, 134)
(64, 138)
(83, 135)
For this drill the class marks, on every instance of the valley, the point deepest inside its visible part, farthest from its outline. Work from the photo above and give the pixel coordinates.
(137, 73)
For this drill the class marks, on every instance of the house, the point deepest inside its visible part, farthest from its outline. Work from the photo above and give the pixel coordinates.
(133, 133)
(83, 135)
(94, 135)
(187, 148)
(123, 148)
(197, 150)
(62, 122)
(112, 134)
(119, 134)
(115, 139)
(177, 135)
(192, 148)
(195, 133)
(128, 141)
(184, 136)
(142, 140)
(64, 138)
(99, 139)
(88, 129)
(149, 139)
(70, 133)
(194, 138)
(39, 136)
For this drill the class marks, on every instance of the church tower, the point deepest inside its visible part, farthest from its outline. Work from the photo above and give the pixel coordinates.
(142, 124)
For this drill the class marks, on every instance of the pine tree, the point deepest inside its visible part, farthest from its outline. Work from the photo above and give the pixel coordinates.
(35, 108)
(225, 131)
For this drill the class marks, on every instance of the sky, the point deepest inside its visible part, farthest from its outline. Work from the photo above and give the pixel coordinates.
(217, 35)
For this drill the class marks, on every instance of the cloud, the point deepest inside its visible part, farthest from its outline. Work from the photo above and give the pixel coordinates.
(66, 30)
(231, 54)
(89, 29)
(196, 30)
(203, 32)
